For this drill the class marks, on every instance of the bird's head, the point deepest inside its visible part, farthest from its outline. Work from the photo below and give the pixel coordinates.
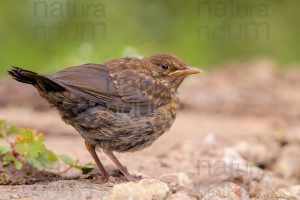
(169, 68)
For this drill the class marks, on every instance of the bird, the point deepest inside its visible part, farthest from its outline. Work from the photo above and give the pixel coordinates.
(120, 105)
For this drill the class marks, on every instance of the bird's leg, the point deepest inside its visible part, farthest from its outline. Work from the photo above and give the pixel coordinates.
(91, 149)
(119, 165)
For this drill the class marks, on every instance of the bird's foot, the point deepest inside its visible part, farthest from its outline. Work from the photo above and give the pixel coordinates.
(130, 178)
(104, 177)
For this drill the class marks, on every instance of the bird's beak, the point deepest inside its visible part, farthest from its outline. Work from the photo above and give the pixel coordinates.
(186, 72)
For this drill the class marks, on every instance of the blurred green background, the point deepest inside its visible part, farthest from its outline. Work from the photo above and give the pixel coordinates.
(46, 35)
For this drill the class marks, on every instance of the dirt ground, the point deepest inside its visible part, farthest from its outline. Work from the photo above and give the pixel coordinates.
(238, 130)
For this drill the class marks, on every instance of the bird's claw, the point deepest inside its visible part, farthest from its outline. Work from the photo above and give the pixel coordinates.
(131, 178)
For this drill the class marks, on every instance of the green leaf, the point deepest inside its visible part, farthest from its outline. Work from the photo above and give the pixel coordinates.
(29, 144)
(87, 168)
(11, 129)
(44, 160)
(26, 136)
(8, 158)
(52, 156)
(2, 123)
(4, 149)
(7, 129)
(17, 164)
(72, 163)
(66, 159)
(36, 163)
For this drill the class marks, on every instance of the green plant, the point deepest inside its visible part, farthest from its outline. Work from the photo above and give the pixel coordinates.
(28, 147)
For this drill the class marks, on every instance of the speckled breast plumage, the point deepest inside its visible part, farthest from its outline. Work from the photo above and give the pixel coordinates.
(122, 132)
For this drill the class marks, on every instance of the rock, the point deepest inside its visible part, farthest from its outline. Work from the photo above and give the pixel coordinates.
(243, 173)
(63, 189)
(257, 152)
(271, 194)
(4, 179)
(293, 191)
(209, 139)
(288, 163)
(293, 136)
(181, 195)
(146, 189)
(253, 179)
(177, 181)
(237, 166)
(224, 191)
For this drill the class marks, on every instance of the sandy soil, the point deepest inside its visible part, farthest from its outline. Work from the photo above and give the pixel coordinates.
(247, 114)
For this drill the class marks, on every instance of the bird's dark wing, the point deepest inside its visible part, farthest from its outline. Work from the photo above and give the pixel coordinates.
(91, 81)
(118, 88)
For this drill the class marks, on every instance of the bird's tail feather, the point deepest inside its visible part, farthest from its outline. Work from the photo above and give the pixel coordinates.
(40, 81)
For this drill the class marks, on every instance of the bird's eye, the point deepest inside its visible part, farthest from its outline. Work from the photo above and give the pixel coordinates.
(164, 66)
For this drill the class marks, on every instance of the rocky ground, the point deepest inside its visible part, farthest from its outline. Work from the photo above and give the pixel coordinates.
(237, 136)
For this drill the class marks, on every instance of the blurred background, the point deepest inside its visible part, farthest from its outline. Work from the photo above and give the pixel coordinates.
(49, 35)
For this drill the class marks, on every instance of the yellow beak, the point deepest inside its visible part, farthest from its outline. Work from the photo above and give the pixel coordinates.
(188, 71)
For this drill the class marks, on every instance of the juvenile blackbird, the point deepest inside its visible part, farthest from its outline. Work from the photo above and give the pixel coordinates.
(121, 105)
